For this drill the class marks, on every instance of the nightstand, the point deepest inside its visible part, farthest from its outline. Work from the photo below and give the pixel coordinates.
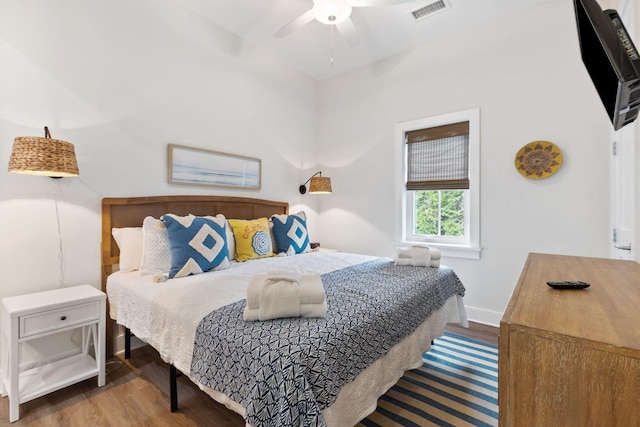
(27, 317)
(315, 247)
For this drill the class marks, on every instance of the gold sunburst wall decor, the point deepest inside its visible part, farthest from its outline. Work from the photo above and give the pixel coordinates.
(538, 160)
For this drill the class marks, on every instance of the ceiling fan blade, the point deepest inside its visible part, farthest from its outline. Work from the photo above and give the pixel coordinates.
(373, 3)
(348, 31)
(296, 24)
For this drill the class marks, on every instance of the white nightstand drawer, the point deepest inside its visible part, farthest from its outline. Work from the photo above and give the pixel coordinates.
(60, 318)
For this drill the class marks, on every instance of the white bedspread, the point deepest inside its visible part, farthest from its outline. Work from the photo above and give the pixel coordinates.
(166, 316)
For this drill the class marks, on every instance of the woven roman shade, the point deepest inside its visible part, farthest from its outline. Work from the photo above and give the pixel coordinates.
(438, 158)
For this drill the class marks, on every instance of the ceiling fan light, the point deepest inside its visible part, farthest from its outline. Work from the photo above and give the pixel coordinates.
(331, 12)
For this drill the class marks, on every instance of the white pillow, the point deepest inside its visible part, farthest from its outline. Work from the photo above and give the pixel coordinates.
(129, 240)
(156, 254)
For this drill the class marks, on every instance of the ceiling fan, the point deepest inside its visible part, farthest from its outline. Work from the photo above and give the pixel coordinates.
(334, 12)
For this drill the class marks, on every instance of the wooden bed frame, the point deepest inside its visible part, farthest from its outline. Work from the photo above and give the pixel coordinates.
(131, 211)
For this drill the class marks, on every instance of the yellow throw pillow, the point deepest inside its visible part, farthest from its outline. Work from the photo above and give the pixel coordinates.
(253, 238)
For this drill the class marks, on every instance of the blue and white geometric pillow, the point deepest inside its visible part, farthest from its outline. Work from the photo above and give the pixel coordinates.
(197, 244)
(290, 233)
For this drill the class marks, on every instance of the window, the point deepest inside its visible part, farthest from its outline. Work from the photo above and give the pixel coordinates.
(438, 182)
(439, 213)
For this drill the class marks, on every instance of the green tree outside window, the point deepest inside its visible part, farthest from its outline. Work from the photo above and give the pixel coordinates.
(439, 212)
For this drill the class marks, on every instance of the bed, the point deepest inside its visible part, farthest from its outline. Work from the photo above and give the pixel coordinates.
(298, 371)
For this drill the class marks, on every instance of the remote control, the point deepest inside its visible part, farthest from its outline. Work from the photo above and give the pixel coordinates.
(568, 284)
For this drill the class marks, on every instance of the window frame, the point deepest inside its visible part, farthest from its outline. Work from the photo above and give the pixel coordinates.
(470, 246)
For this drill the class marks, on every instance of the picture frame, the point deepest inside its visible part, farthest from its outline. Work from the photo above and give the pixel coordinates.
(198, 166)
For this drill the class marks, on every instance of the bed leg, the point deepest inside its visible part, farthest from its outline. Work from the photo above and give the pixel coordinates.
(173, 387)
(127, 343)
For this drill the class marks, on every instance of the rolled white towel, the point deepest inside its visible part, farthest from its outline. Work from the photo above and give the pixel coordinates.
(306, 310)
(279, 298)
(284, 294)
(311, 289)
(421, 256)
(253, 291)
(313, 310)
(251, 314)
(404, 261)
(287, 276)
(257, 282)
(401, 255)
(403, 252)
(435, 258)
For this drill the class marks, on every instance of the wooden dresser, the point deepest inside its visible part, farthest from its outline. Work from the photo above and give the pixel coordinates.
(571, 357)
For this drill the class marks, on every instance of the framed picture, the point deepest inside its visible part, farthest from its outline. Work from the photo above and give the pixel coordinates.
(196, 166)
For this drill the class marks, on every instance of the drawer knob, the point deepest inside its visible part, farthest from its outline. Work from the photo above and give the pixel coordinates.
(63, 318)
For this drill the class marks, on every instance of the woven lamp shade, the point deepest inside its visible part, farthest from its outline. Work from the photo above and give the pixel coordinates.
(320, 185)
(35, 155)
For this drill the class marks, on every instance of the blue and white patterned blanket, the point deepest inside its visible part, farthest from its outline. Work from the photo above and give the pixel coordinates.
(285, 371)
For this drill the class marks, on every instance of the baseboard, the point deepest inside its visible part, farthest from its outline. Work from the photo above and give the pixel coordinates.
(486, 317)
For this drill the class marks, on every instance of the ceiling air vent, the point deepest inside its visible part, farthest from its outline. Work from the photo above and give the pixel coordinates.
(429, 9)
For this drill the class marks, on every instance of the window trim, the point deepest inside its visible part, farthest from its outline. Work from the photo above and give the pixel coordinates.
(471, 249)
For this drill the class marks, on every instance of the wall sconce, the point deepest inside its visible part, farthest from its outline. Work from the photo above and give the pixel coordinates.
(34, 155)
(318, 185)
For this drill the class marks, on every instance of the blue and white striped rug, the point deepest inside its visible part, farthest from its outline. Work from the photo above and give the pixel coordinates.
(456, 386)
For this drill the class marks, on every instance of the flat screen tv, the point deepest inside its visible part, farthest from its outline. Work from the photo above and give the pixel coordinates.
(611, 60)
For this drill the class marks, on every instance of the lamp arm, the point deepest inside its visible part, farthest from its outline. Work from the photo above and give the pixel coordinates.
(307, 181)
(303, 187)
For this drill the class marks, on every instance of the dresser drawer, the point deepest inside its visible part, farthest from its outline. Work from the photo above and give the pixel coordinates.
(57, 319)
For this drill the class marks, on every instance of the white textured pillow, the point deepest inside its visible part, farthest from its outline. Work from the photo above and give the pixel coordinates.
(156, 255)
(129, 240)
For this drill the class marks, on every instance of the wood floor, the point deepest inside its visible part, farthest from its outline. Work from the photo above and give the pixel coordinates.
(137, 394)
(477, 331)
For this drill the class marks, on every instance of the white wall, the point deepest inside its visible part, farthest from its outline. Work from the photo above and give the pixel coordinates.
(120, 80)
(525, 74)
